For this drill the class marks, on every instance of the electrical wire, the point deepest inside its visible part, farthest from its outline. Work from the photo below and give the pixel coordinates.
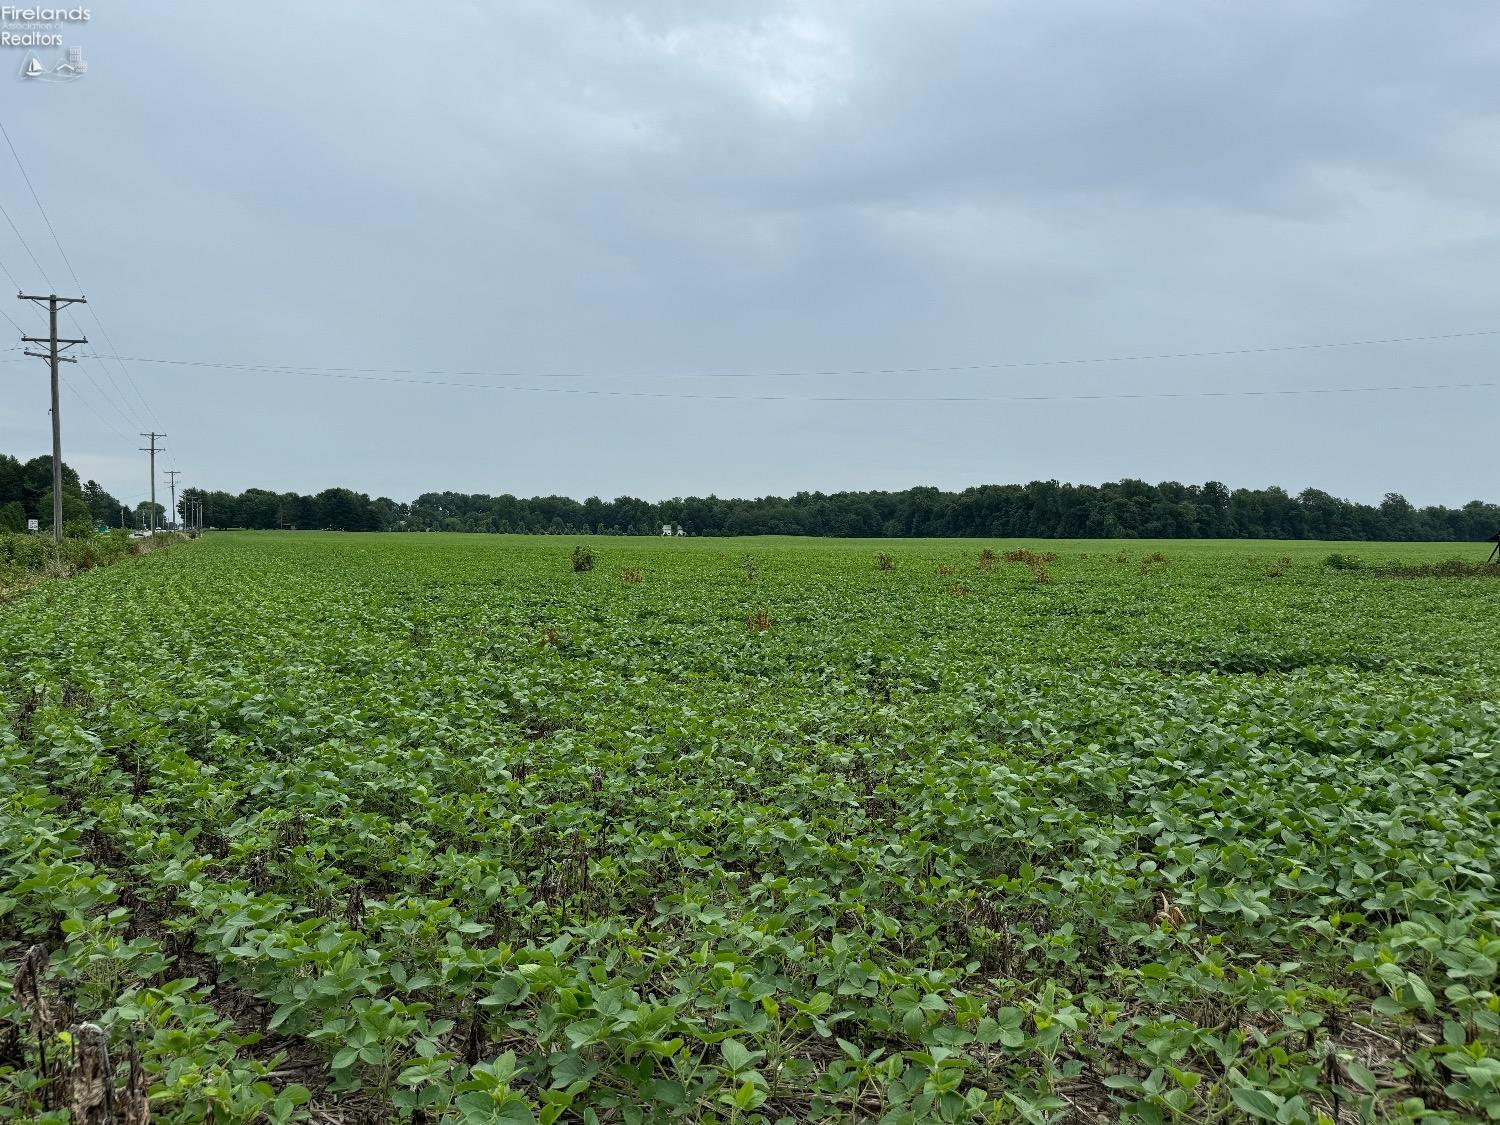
(1104, 396)
(11, 278)
(37, 199)
(83, 398)
(301, 369)
(127, 410)
(27, 247)
(407, 376)
(608, 393)
(93, 312)
(414, 377)
(22, 331)
(103, 395)
(29, 304)
(129, 378)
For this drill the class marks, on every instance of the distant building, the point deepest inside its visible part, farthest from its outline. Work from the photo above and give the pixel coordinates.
(666, 529)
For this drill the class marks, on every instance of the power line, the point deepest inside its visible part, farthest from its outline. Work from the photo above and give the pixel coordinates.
(128, 414)
(86, 374)
(38, 200)
(82, 368)
(104, 332)
(126, 408)
(103, 395)
(920, 398)
(83, 398)
(16, 285)
(409, 377)
(350, 372)
(1010, 364)
(6, 270)
(27, 247)
(114, 355)
(607, 393)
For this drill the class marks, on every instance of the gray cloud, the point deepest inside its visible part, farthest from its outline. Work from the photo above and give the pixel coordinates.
(647, 192)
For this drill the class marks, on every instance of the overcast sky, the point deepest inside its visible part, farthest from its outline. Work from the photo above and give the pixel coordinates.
(655, 195)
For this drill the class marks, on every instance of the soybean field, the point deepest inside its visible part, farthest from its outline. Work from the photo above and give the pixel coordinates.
(421, 828)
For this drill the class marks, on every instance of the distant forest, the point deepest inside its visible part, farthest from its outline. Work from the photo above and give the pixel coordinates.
(1041, 509)
(26, 493)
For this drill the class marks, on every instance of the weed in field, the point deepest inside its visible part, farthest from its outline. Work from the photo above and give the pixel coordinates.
(1154, 561)
(1036, 563)
(1340, 561)
(582, 559)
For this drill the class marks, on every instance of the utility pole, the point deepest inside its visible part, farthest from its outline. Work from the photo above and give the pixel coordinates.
(174, 474)
(53, 355)
(192, 505)
(153, 450)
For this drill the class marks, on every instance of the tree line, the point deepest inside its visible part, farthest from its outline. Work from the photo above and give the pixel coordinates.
(26, 494)
(1040, 509)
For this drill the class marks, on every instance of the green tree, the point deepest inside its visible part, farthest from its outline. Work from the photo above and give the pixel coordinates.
(103, 508)
(143, 515)
(75, 508)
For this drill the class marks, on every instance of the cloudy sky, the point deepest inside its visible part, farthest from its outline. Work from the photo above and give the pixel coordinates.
(595, 217)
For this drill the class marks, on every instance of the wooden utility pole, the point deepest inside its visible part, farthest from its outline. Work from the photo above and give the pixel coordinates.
(53, 355)
(174, 474)
(153, 449)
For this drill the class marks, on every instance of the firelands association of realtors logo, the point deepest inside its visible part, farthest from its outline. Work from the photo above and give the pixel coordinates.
(42, 34)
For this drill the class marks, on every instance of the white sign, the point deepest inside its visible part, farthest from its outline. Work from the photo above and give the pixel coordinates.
(33, 525)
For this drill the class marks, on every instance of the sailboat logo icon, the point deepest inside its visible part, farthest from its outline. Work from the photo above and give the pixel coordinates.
(70, 69)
